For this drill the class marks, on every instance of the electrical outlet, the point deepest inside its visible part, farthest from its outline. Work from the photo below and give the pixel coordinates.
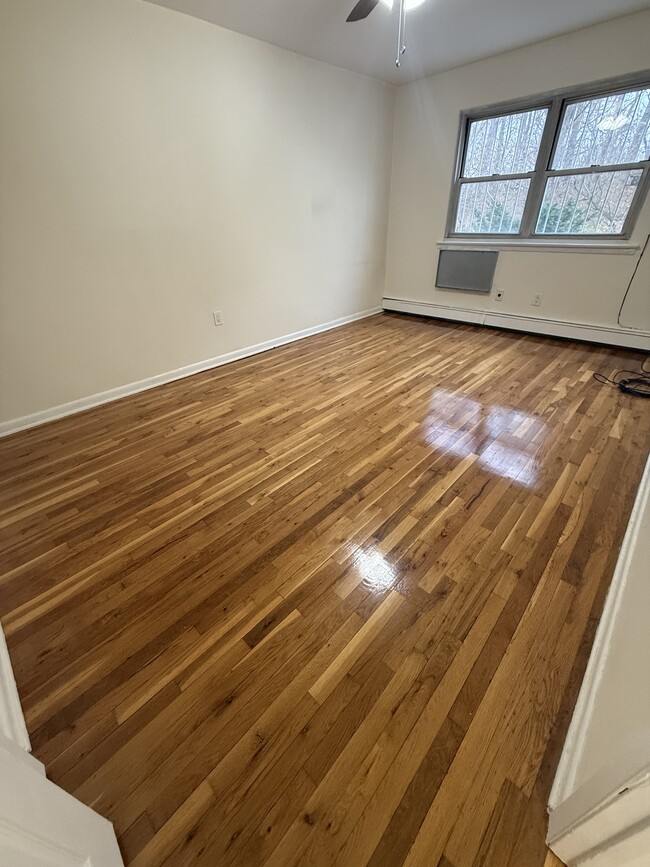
(498, 295)
(218, 318)
(537, 300)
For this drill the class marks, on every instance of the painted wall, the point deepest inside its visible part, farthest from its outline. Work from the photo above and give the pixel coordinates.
(577, 287)
(154, 168)
(600, 800)
(620, 714)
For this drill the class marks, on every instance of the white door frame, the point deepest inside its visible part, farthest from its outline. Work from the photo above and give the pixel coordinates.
(601, 817)
(40, 824)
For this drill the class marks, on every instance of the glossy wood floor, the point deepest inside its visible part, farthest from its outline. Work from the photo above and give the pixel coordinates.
(328, 605)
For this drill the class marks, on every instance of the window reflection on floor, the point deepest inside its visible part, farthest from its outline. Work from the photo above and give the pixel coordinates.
(505, 440)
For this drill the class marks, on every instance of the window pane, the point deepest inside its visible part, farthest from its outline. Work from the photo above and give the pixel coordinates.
(589, 204)
(492, 207)
(506, 145)
(605, 131)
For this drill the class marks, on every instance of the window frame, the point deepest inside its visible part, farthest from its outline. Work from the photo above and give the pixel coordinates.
(556, 103)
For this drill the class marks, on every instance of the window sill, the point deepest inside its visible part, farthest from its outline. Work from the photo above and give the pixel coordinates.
(622, 248)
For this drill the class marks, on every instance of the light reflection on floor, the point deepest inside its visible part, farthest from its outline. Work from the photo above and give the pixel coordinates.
(505, 440)
(485, 424)
(377, 572)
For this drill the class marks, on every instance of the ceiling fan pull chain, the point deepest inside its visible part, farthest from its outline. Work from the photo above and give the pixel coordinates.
(401, 31)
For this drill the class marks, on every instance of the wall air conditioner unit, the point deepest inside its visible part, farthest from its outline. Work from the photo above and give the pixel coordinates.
(466, 270)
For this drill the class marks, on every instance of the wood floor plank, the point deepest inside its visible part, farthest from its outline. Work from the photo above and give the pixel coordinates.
(330, 604)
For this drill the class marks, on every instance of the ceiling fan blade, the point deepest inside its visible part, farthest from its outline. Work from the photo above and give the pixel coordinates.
(362, 10)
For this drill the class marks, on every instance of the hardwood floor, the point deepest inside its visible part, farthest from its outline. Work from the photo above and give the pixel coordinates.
(328, 605)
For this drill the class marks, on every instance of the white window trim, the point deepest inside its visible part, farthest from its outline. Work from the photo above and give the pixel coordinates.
(555, 102)
(556, 245)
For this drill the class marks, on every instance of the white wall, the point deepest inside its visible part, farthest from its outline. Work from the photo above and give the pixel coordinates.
(621, 710)
(577, 287)
(154, 168)
(601, 795)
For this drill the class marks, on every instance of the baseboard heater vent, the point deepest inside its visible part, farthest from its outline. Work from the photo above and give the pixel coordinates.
(466, 270)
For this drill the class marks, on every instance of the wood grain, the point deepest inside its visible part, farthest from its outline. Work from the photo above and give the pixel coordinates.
(328, 605)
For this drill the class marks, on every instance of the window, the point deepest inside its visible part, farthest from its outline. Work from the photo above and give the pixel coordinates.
(572, 165)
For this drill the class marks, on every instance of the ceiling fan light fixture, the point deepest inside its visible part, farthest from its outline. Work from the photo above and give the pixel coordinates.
(410, 4)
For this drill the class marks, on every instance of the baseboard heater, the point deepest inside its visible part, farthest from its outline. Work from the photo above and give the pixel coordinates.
(466, 270)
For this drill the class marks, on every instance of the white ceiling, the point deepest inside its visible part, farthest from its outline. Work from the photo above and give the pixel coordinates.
(440, 33)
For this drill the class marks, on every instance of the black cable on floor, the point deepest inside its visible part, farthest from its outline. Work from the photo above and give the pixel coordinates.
(638, 384)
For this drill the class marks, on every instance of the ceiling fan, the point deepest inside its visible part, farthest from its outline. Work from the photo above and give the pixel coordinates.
(363, 8)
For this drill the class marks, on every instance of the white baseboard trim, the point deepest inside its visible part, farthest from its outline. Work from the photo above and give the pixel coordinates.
(629, 850)
(615, 833)
(565, 776)
(12, 721)
(84, 403)
(8, 747)
(537, 325)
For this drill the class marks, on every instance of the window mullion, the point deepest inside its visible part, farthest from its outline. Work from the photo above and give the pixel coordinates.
(536, 189)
